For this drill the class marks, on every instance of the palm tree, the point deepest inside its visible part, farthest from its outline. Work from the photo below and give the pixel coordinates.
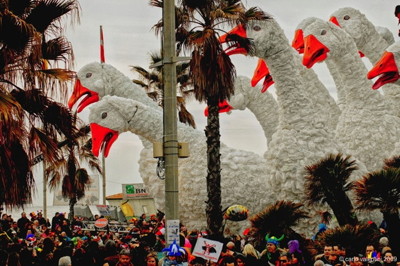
(381, 190)
(277, 220)
(212, 74)
(30, 40)
(327, 182)
(67, 171)
(152, 83)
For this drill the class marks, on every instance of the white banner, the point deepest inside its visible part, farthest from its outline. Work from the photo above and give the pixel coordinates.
(91, 194)
(207, 249)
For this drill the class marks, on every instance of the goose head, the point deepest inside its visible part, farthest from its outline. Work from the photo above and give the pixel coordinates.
(89, 85)
(323, 39)
(354, 23)
(264, 38)
(109, 117)
(387, 67)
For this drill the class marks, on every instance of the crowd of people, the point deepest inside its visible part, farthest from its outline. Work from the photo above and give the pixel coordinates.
(35, 240)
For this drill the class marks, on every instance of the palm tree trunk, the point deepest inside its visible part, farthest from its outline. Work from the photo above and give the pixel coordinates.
(72, 202)
(214, 208)
(393, 230)
(343, 210)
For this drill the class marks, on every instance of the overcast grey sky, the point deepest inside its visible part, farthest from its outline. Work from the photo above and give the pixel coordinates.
(129, 39)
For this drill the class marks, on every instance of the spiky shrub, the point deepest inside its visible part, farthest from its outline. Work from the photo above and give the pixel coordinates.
(393, 162)
(353, 238)
(327, 182)
(276, 220)
(380, 190)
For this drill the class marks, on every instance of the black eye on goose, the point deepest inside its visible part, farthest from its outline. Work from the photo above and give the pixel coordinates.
(347, 17)
(323, 32)
(103, 115)
(88, 75)
(256, 28)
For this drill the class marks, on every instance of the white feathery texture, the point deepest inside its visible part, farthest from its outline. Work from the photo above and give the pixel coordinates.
(262, 105)
(371, 43)
(366, 127)
(243, 175)
(386, 34)
(301, 138)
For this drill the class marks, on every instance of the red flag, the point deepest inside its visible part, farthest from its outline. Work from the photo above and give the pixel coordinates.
(102, 57)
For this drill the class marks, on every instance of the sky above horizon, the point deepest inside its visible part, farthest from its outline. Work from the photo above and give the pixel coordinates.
(129, 39)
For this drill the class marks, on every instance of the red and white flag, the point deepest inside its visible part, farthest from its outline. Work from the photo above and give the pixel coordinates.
(102, 57)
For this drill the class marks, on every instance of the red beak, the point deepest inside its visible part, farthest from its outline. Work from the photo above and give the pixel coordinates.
(79, 92)
(334, 21)
(314, 51)
(387, 68)
(223, 106)
(239, 30)
(298, 41)
(260, 72)
(102, 139)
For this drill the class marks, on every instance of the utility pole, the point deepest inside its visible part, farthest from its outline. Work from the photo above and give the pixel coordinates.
(170, 141)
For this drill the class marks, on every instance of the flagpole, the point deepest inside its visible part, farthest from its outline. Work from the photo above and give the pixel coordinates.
(103, 161)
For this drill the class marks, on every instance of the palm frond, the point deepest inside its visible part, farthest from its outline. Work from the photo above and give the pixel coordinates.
(186, 117)
(255, 13)
(57, 49)
(44, 15)
(156, 3)
(8, 107)
(17, 179)
(59, 74)
(55, 171)
(82, 181)
(65, 126)
(141, 83)
(15, 33)
(19, 7)
(40, 142)
(379, 190)
(393, 162)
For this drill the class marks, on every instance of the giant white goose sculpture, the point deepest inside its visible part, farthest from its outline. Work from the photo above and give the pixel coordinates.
(366, 127)
(95, 80)
(387, 68)
(369, 42)
(301, 137)
(243, 173)
(262, 105)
